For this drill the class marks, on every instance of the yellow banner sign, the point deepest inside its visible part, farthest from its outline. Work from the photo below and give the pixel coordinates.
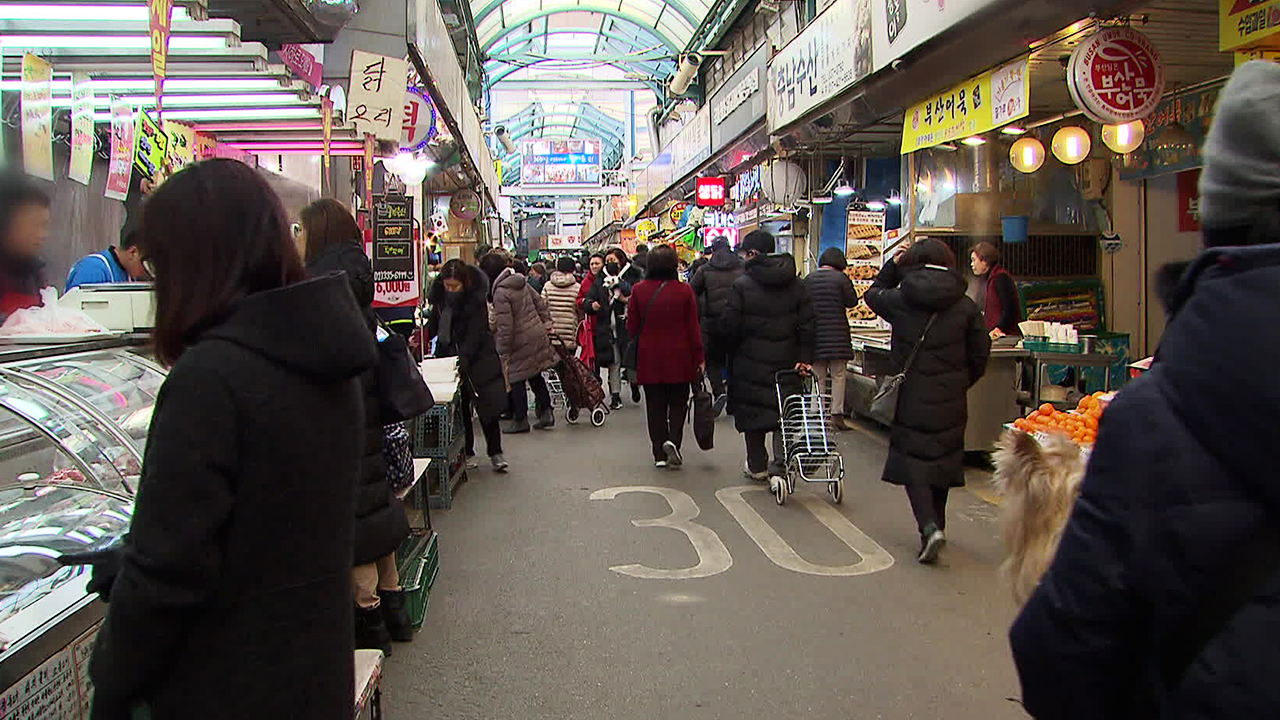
(1247, 24)
(37, 116)
(1245, 56)
(983, 103)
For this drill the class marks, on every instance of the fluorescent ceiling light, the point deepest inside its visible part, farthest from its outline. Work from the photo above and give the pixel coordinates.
(96, 12)
(974, 141)
(178, 85)
(176, 101)
(120, 42)
(844, 189)
(1013, 130)
(254, 113)
(875, 205)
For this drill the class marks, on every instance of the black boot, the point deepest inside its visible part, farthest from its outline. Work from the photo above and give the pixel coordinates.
(371, 631)
(396, 615)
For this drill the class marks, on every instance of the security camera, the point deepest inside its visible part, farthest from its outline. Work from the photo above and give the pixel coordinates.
(685, 75)
(505, 139)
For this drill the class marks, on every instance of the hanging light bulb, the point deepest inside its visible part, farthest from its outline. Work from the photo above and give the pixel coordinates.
(1071, 145)
(1027, 155)
(1125, 138)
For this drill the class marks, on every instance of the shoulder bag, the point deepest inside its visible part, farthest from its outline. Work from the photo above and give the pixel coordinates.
(631, 356)
(402, 393)
(884, 404)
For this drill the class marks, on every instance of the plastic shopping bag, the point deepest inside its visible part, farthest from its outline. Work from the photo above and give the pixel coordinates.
(49, 319)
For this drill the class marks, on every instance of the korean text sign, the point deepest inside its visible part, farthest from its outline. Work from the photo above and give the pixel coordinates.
(1248, 24)
(375, 104)
(831, 54)
(81, 128)
(394, 259)
(120, 170)
(37, 116)
(977, 105)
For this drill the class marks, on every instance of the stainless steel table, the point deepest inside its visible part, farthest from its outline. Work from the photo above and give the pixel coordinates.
(1074, 360)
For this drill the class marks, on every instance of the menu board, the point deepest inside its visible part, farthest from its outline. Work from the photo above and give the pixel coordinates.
(58, 689)
(864, 252)
(392, 255)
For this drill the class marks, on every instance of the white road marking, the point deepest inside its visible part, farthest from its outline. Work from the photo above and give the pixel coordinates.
(873, 557)
(713, 556)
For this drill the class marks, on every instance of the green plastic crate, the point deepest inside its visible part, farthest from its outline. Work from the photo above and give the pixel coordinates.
(417, 583)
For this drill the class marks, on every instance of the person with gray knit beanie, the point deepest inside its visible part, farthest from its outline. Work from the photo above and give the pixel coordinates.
(1240, 184)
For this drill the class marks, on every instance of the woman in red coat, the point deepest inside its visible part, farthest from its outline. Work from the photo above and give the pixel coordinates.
(662, 316)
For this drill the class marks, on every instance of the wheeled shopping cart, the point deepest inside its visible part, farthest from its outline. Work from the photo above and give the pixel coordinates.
(808, 438)
(574, 388)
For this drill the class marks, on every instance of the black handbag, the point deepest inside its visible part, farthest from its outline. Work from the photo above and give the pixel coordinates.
(704, 414)
(402, 393)
(884, 404)
(631, 356)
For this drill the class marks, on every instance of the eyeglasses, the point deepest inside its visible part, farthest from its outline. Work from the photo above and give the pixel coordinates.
(150, 267)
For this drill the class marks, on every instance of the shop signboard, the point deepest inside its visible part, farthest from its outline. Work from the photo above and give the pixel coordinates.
(375, 102)
(983, 103)
(120, 167)
(1191, 111)
(740, 102)
(37, 117)
(1248, 24)
(711, 234)
(1244, 56)
(645, 229)
(711, 192)
(563, 242)
(676, 212)
(1189, 201)
(419, 121)
(829, 56)
(691, 145)
(81, 128)
(205, 146)
(903, 25)
(394, 259)
(151, 146)
(182, 145)
(1116, 76)
(305, 61)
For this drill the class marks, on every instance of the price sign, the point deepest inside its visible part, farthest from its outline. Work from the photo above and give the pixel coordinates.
(152, 145)
(393, 255)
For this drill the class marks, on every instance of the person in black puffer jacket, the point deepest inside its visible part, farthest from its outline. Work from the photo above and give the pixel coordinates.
(1163, 600)
(926, 443)
(768, 324)
(832, 294)
(712, 285)
(330, 238)
(598, 304)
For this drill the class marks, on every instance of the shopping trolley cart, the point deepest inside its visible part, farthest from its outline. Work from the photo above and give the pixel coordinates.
(808, 439)
(574, 388)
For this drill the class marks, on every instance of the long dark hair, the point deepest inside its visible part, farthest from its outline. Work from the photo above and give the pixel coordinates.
(327, 222)
(214, 233)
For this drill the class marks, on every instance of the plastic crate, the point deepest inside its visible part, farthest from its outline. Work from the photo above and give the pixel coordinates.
(435, 432)
(419, 580)
(1032, 344)
(442, 479)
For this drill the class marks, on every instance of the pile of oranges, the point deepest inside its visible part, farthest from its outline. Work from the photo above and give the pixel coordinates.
(1081, 425)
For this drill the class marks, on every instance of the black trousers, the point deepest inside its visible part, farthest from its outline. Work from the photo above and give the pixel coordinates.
(518, 398)
(929, 505)
(758, 455)
(717, 363)
(492, 431)
(666, 406)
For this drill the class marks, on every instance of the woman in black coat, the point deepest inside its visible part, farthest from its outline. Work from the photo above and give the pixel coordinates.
(598, 304)
(233, 598)
(926, 444)
(459, 323)
(768, 323)
(617, 263)
(712, 284)
(331, 244)
(832, 294)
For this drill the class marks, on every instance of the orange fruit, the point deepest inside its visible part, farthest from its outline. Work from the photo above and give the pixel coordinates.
(1046, 409)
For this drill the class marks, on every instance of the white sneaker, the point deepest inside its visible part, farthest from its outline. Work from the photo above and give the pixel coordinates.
(660, 464)
(755, 477)
(500, 463)
(473, 462)
(674, 458)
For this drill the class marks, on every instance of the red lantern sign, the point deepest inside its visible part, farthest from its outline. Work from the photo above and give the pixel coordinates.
(1115, 76)
(711, 192)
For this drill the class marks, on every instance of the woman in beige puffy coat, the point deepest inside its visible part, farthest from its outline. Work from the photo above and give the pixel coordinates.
(561, 294)
(521, 329)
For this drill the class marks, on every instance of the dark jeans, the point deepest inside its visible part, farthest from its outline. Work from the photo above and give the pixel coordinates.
(717, 363)
(518, 398)
(666, 406)
(758, 454)
(929, 504)
(492, 431)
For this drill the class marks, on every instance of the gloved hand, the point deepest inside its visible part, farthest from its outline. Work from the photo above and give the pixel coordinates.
(106, 565)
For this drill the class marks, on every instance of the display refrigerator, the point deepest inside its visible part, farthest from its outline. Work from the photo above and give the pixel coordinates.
(73, 429)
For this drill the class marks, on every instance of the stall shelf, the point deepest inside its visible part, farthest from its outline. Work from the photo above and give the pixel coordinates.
(439, 434)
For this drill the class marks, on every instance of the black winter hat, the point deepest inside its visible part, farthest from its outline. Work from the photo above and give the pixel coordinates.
(760, 241)
(833, 258)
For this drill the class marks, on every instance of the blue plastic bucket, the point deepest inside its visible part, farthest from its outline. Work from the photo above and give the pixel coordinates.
(1015, 228)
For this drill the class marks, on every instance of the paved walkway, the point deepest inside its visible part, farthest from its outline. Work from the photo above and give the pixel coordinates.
(560, 598)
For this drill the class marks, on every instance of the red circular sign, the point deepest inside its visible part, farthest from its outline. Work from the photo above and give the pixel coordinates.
(1115, 76)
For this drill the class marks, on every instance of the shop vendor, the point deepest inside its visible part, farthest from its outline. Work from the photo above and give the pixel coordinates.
(997, 293)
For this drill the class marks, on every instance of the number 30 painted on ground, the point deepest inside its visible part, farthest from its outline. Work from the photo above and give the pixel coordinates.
(713, 556)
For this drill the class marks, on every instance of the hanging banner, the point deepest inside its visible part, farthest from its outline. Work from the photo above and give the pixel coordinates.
(983, 103)
(1248, 24)
(81, 128)
(37, 116)
(182, 145)
(304, 61)
(828, 56)
(1116, 76)
(326, 124)
(120, 169)
(369, 143)
(206, 146)
(375, 101)
(151, 146)
(160, 13)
